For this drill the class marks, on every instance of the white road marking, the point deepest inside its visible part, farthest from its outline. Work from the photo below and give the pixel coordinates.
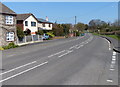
(109, 80)
(112, 66)
(65, 53)
(78, 47)
(18, 68)
(113, 62)
(108, 43)
(72, 47)
(112, 69)
(114, 57)
(109, 48)
(114, 53)
(23, 71)
(81, 45)
(11, 55)
(56, 53)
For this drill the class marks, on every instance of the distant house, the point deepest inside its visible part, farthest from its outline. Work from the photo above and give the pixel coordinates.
(7, 25)
(27, 22)
(44, 24)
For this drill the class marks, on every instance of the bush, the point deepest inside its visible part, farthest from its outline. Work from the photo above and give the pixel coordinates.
(107, 33)
(117, 33)
(10, 45)
(1, 48)
(20, 32)
(40, 32)
(50, 34)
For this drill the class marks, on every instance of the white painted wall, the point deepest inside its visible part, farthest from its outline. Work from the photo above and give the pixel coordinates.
(46, 26)
(32, 28)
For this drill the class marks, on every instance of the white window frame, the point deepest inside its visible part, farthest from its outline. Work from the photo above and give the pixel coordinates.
(33, 24)
(9, 20)
(10, 36)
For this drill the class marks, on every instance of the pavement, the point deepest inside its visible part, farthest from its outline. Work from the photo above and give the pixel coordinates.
(87, 60)
(115, 43)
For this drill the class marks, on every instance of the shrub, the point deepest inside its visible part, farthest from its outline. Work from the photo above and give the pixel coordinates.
(20, 32)
(10, 45)
(107, 33)
(50, 34)
(40, 32)
(1, 48)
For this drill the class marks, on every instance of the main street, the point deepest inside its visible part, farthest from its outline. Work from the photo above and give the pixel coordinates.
(87, 60)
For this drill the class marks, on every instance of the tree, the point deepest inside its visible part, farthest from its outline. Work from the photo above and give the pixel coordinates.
(66, 28)
(58, 30)
(20, 33)
(40, 32)
(80, 26)
(97, 24)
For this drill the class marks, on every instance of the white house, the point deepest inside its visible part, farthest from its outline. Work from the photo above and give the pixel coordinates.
(44, 24)
(27, 22)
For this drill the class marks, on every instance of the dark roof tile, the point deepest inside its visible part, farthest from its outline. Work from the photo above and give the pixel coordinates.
(6, 10)
(42, 20)
(23, 16)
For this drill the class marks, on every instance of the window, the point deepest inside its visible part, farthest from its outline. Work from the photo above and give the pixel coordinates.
(9, 20)
(10, 36)
(43, 25)
(33, 24)
(26, 23)
(39, 28)
(49, 25)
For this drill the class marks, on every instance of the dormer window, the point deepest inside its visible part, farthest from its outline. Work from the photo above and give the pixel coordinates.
(9, 20)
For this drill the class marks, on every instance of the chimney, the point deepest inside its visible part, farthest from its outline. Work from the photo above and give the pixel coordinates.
(46, 18)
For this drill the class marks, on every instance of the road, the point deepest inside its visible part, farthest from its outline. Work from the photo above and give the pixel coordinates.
(87, 60)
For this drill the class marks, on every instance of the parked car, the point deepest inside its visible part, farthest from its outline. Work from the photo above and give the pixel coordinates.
(45, 36)
(82, 34)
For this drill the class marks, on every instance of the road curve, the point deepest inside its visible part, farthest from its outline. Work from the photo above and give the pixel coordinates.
(84, 60)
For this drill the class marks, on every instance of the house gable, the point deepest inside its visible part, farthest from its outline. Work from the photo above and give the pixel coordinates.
(5, 10)
(33, 28)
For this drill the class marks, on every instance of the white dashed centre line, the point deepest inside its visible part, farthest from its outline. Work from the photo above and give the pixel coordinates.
(23, 72)
(56, 53)
(65, 53)
(18, 68)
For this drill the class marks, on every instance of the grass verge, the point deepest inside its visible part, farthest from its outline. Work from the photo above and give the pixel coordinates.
(112, 36)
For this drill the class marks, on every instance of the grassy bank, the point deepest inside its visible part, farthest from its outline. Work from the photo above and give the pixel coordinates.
(112, 36)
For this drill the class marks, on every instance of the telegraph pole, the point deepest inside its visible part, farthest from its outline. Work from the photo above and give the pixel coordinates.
(75, 24)
(75, 20)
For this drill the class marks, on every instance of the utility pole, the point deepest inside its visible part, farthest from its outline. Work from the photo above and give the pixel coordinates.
(75, 24)
(75, 20)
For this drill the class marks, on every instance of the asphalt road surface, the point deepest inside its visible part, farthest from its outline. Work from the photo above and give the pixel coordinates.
(87, 60)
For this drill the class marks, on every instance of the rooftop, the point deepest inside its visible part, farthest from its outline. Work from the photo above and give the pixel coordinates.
(5, 10)
(42, 20)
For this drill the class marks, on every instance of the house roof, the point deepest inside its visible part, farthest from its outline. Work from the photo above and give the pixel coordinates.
(5, 10)
(24, 16)
(43, 20)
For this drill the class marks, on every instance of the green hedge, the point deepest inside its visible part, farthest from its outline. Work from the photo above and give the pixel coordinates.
(10, 45)
(50, 34)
